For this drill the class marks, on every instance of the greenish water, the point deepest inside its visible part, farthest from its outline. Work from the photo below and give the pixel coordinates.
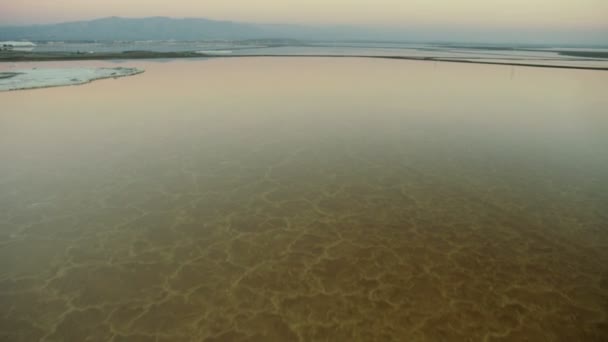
(307, 199)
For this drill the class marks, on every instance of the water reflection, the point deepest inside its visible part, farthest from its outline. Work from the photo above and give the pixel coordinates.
(312, 199)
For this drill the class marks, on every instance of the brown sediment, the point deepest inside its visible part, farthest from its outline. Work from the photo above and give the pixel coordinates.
(171, 222)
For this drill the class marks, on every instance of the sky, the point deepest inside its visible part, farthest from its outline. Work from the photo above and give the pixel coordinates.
(582, 17)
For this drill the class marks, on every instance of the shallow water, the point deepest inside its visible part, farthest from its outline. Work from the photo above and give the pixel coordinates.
(307, 199)
(535, 56)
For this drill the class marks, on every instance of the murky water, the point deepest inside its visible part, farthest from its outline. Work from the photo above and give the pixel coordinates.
(270, 199)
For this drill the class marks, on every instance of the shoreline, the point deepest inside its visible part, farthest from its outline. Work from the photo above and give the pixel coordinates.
(134, 55)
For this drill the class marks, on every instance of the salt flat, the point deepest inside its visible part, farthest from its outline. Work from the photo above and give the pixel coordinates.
(54, 77)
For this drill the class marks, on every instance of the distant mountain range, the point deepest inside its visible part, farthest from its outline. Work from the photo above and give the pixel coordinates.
(162, 28)
(196, 29)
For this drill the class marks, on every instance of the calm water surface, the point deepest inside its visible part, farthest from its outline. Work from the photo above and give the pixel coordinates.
(310, 199)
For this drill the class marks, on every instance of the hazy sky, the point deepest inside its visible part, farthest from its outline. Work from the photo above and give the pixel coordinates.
(533, 13)
(494, 15)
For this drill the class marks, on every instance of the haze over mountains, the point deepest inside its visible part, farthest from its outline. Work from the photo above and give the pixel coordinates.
(192, 29)
(163, 28)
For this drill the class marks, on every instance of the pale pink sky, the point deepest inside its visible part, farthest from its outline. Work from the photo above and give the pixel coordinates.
(492, 14)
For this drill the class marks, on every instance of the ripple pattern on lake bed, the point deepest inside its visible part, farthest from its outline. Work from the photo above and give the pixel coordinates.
(382, 259)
